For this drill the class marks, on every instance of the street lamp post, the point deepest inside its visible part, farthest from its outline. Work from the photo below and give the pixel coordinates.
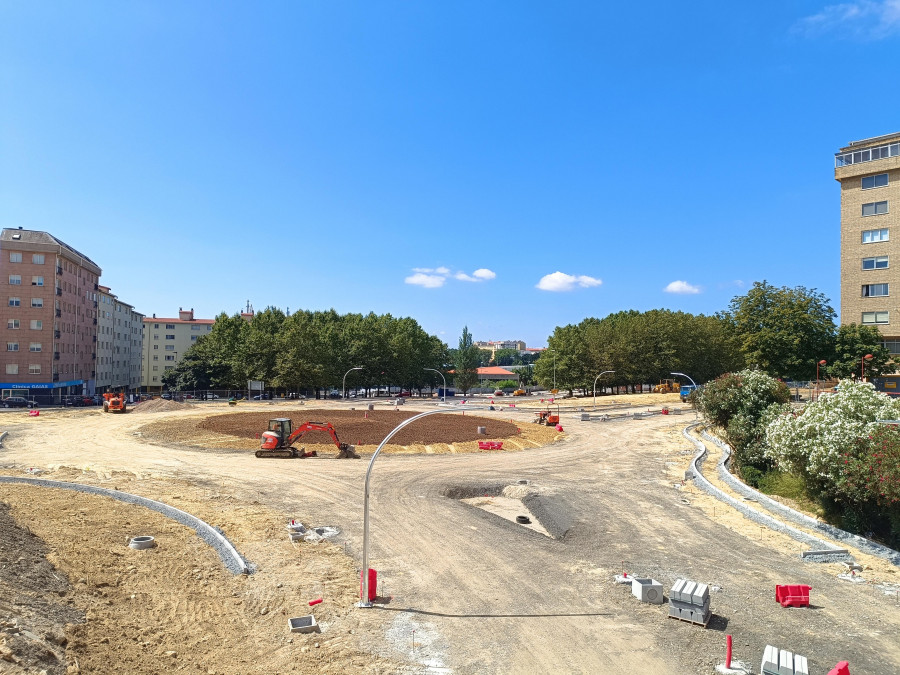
(687, 376)
(867, 357)
(435, 370)
(344, 386)
(818, 363)
(595, 384)
(364, 599)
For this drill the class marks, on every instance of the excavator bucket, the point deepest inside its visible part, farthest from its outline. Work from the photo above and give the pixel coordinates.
(347, 452)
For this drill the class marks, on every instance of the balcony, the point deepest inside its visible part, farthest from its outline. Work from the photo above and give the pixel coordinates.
(95, 322)
(94, 356)
(58, 313)
(59, 270)
(58, 290)
(56, 356)
(96, 287)
(867, 155)
(56, 334)
(94, 338)
(95, 304)
(56, 377)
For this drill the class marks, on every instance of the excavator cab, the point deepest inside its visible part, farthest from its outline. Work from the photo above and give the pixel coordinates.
(281, 426)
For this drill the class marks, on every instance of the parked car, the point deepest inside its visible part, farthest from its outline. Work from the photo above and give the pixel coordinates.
(15, 402)
(261, 397)
(79, 401)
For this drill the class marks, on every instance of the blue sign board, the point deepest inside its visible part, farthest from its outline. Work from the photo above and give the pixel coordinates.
(39, 385)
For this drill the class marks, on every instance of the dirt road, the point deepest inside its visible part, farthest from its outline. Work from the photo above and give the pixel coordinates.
(468, 591)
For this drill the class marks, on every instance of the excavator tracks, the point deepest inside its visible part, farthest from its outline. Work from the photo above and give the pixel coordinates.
(284, 453)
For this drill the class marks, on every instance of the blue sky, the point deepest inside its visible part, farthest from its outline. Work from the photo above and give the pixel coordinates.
(510, 166)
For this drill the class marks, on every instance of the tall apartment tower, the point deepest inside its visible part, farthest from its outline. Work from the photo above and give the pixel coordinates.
(869, 174)
(50, 321)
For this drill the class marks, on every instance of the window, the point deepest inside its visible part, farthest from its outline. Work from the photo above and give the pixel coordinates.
(893, 346)
(879, 180)
(170, 326)
(156, 325)
(155, 346)
(196, 327)
(170, 367)
(193, 338)
(874, 290)
(12, 346)
(15, 257)
(15, 302)
(38, 258)
(875, 317)
(12, 324)
(155, 367)
(15, 280)
(875, 208)
(155, 378)
(37, 324)
(170, 337)
(170, 348)
(879, 263)
(35, 347)
(155, 357)
(37, 281)
(12, 368)
(156, 337)
(34, 368)
(873, 236)
(170, 357)
(37, 302)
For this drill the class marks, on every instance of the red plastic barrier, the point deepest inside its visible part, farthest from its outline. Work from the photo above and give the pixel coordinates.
(34, 413)
(793, 595)
(315, 602)
(842, 668)
(490, 445)
(373, 584)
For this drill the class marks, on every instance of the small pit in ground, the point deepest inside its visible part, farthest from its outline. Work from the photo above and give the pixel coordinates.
(503, 500)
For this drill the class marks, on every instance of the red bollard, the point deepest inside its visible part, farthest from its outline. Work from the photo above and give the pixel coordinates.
(728, 651)
(315, 602)
(373, 584)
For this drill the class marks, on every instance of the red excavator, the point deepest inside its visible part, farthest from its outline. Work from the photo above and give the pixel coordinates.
(278, 439)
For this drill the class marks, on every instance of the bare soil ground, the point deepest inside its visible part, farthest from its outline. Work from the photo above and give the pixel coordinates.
(465, 590)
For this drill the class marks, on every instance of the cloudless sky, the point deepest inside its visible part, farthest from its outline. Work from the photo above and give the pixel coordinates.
(309, 155)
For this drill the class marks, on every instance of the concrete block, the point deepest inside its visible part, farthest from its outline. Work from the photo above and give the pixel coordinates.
(647, 590)
(700, 596)
(675, 411)
(769, 661)
(785, 662)
(800, 665)
(303, 624)
(585, 417)
(638, 416)
(687, 592)
(687, 614)
(701, 616)
(675, 593)
(674, 611)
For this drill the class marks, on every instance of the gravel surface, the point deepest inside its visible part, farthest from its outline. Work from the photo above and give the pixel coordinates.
(227, 552)
(793, 515)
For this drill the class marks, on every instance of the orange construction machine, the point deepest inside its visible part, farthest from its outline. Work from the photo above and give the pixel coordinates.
(278, 439)
(114, 402)
(546, 418)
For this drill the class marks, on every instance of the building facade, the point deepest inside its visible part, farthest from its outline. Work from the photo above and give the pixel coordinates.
(119, 344)
(50, 321)
(869, 174)
(164, 343)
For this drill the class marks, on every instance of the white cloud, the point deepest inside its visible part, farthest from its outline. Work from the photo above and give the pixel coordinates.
(478, 275)
(442, 270)
(431, 270)
(866, 19)
(559, 281)
(425, 280)
(682, 287)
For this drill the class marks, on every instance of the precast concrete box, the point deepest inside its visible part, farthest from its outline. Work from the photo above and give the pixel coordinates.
(647, 590)
(303, 624)
(585, 417)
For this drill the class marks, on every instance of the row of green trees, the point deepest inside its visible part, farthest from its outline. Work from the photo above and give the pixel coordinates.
(310, 350)
(784, 332)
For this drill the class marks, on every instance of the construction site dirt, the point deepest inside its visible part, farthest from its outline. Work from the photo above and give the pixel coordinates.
(461, 589)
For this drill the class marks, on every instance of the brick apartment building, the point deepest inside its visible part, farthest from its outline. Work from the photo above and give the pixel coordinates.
(869, 174)
(50, 317)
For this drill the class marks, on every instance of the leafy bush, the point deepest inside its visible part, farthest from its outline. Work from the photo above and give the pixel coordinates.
(743, 403)
(872, 469)
(816, 443)
(503, 384)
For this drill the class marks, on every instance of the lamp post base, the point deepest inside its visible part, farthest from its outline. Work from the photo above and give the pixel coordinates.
(364, 604)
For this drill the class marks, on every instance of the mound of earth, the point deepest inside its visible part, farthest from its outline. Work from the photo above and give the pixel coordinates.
(157, 405)
(368, 428)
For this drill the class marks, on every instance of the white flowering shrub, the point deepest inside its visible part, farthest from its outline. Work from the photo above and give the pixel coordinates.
(814, 443)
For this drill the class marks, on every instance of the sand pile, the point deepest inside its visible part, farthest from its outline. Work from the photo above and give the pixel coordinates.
(157, 405)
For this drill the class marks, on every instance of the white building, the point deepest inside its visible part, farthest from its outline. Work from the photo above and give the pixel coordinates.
(119, 344)
(166, 341)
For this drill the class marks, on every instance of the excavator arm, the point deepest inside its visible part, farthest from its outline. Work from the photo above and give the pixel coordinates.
(306, 427)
